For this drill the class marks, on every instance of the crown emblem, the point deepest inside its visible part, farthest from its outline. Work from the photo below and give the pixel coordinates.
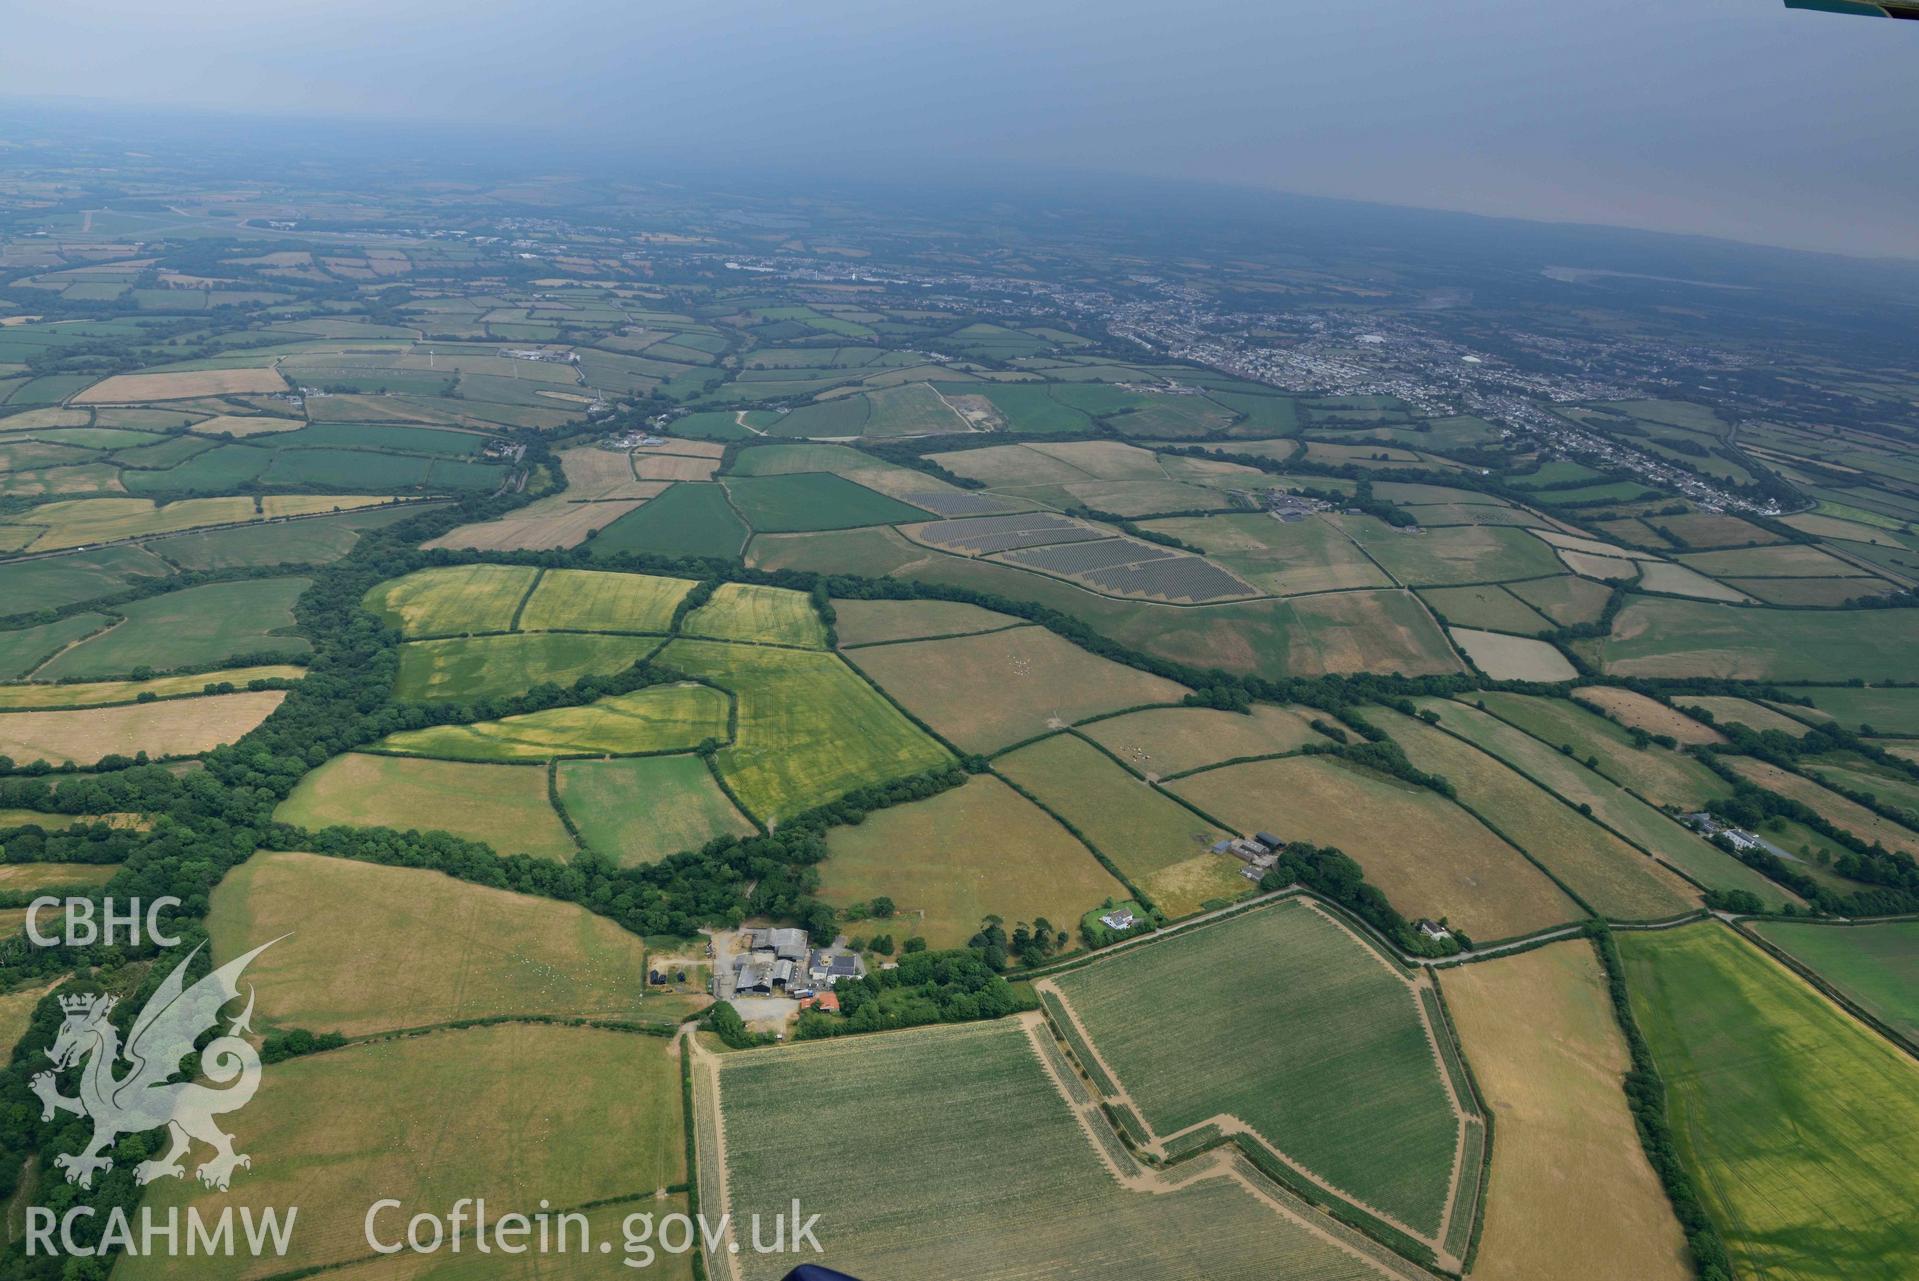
(85, 1003)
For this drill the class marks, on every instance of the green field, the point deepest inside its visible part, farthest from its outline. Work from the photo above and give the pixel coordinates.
(316, 540)
(687, 520)
(1454, 554)
(582, 600)
(53, 582)
(1888, 711)
(1796, 1121)
(1663, 637)
(1161, 846)
(809, 729)
(763, 615)
(952, 859)
(642, 809)
(1605, 872)
(1191, 1040)
(1492, 608)
(804, 501)
(504, 806)
(1875, 965)
(465, 668)
(971, 1164)
(190, 627)
(26, 648)
(453, 600)
(663, 718)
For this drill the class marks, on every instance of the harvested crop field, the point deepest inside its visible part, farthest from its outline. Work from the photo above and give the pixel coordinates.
(674, 467)
(1614, 878)
(1161, 846)
(641, 809)
(173, 727)
(987, 691)
(765, 615)
(124, 389)
(365, 948)
(1842, 813)
(1637, 711)
(546, 523)
(590, 601)
(1572, 1195)
(593, 474)
(1161, 741)
(1428, 856)
(662, 718)
(504, 806)
(809, 730)
(1796, 1121)
(1336, 1024)
(870, 622)
(1513, 658)
(465, 668)
(952, 859)
(933, 1195)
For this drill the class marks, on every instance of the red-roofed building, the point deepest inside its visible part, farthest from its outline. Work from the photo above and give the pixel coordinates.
(824, 1001)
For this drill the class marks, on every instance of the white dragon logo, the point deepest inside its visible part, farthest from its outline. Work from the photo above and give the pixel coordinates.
(144, 1099)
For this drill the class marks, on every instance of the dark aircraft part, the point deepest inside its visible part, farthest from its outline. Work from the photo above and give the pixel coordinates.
(1862, 8)
(813, 1272)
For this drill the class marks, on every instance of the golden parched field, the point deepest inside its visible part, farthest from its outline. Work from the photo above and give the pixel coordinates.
(1636, 711)
(1614, 878)
(516, 1113)
(1428, 856)
(365, 948)
(504, 805)
(980, 848)
(174, 727)
(28, 696)
(124, 389)
(987, 691)
(1572, 1195)
(1171, 740)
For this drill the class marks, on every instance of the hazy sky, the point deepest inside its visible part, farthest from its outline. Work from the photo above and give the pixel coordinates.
(1737, 118)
